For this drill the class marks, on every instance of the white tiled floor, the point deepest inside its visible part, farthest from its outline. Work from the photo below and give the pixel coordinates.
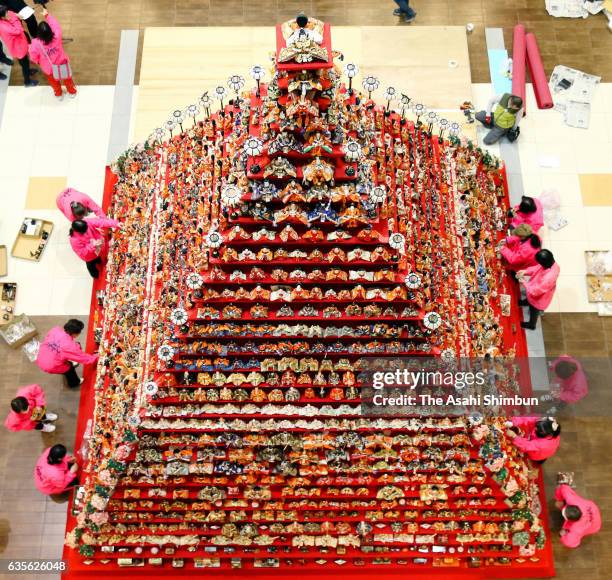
(40, 136)
(543, 133)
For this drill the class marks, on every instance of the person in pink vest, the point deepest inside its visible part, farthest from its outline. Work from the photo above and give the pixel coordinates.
(573, 384)
(89, 242)
(16, 42)
(530, 212)
(55, 471)
(47, 51)
(29, 411)
(520, 248)
(540, 283)
(582, 516)
(59, 349)
(539, 438)
(75, 205)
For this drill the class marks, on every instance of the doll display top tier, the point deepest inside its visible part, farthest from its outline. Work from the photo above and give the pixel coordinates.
(267, 253)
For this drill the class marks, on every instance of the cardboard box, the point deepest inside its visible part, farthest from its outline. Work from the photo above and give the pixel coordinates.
(30, 247)
(19, 331)
(8, 293)
(3, 262)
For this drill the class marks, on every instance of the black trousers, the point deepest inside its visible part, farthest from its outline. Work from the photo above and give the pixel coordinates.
(41, 423)
(92, 267)
(533, 315)
(72, 377)
(25, 68)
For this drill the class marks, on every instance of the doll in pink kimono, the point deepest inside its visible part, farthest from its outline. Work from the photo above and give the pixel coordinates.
(55, 471)
(29, 411)
(529, 212)
(520, 248)
(582, 516)
(573, 384)
(540, 283)
(539, 437)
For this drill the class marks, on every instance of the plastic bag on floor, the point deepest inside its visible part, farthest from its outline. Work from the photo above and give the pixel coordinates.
(31, 349)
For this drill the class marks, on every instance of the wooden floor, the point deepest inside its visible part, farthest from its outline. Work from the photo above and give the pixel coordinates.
(179, 64)
(96, 25)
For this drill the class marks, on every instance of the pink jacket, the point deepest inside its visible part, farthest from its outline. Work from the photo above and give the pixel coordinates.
(53, 478)
(66, 197)
(589, 523)
(47, 54)
(575, 387)
(541, 285)
(518, 254)
(13, 36)
(57, 349)
(535, 219)
(536, 448)
(82, 244)
(22, 421)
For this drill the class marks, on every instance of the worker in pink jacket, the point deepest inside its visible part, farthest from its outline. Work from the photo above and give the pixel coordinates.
(539, 438)
(520, 248)
(55, 471)
(582, 517)
(572, 381)
(529, 212)
(89, 242)
(29, 411)
(540, 283)
(59, 349)
(47, 51)
(75, 205)
(16, 42)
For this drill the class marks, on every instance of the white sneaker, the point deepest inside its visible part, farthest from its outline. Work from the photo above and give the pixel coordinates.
(48, 428)
(72, 95)
(51, 417)
(81, 382)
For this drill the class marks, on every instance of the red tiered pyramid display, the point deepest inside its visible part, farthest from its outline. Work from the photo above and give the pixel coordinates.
(265, 253)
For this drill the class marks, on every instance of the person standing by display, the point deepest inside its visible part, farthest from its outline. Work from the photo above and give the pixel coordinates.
(581, 516)
(520, 248)
(16, 42)
(55, 471)
(573, 384)
(47, 50)
(539, 438)
(59, 350)
(76, 205)
(29, 411)
(529, 211)
(404, 10)
(540, 282)
(89, 242)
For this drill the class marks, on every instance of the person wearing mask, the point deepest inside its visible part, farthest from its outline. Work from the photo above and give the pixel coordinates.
(47, 51)
(29, 411)
(520, 248)
(60, 348)
(76, 205)
(529, 211)
(502, 117)
(540, 283)
(581, 516)
(404, 10)
(55, 471)
(569, 375)
(88, 240)
(539, 438)
(16, 42)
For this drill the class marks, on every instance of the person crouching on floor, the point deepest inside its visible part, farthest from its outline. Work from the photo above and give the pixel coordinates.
(540, 283)
(502, 117)
(55, 471)
(582, 516)
(59, 350)
(29, 411)
(89, 242)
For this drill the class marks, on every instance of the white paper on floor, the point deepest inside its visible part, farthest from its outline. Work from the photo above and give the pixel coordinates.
(573, 92)
(566, 8)
(549, 161)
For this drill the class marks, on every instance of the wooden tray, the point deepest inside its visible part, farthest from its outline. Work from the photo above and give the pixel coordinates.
(8, 292)
(28, 247)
